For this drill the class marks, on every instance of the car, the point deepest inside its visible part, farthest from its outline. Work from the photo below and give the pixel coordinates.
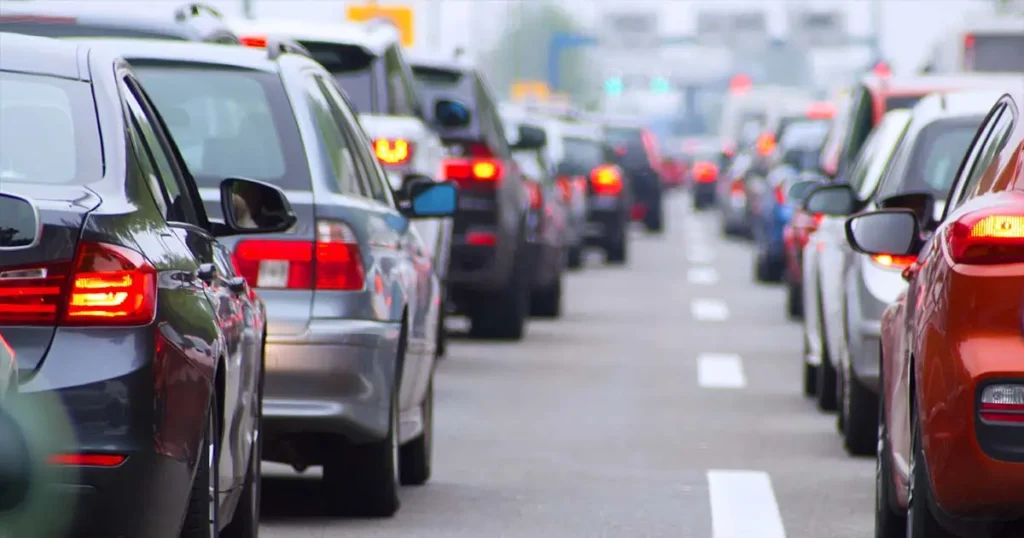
(948, 460)
(707, 159)
(170, 391)
(796, 154)
(856, 289)
(795, 236)
(636, 151)
(190, 22)
(547, 238)
(488, 279)
(352, 299)
(982, 43)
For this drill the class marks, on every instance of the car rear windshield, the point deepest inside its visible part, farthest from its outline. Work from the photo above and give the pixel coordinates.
(229, 123)
(438, 83)
(934, 160)
(894, 102)
(49, 131)
(996, 53)
(71, 27)
(352, 68)
(581, 156)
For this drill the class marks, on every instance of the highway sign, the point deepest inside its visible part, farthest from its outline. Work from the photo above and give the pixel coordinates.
(631, 30)
(818, 28)
(400, 16)
(533, 90)
(743, 29)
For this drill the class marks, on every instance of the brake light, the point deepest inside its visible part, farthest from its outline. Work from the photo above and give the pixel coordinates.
(780, 195)
(477, 171)
(332, 262)
(255, 41)
(565, 187)
(728, 149)
(397, 151)
(765, 144)
(821, 110)
(816, 220)
(987, 237)
(536, 195)
(651, 148)
(1003, 403)
(888, 261)
(606, 181)
(736, 188)
(705, 172)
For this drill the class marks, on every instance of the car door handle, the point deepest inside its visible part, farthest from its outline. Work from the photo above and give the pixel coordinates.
(206, 272)
(237, 284)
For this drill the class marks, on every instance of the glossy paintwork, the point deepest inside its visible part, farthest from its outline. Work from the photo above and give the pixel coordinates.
(956, 326)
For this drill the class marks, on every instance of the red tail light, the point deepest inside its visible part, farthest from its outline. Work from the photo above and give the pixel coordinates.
(821, 110)
(256, 41)
(579, 185)
(392, 151)
(332, 262)
(536, 194)
(87, 460)
(473, 171)
(606, 181)
(736, 188)
(780, 195)
(816, 221)
(765, 144)
(566, 188)
(105, 285)
(893, 262)
(987, 237)
(638, 212)
(1003, 403)
(705, 172)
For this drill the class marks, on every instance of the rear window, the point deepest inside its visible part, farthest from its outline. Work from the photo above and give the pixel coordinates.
(934, 160)
(433, 76)
(625, 138)
(49, 132)
(229, 123)
(581, 156)
(894, 102)
(352, 68)
(996, 53)
(71, 27)
(436, 84)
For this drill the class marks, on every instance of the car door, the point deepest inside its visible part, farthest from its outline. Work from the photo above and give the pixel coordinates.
(187, 221)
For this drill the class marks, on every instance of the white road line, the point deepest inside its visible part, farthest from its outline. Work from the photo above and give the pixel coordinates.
(743, 505)
(720, 371)
(709, 310)
(702, 275)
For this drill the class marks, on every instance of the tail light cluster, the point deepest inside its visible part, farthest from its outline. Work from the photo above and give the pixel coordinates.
(535, 193)
(480, 168)
(705, 172)
(780, 195)
(888, 261)
(393, 151)
(105, 285)
(566, 187)
(765, 144)
(606, 181)
(987, 237)
(331, 262)
(1003, 403)
(736, 188)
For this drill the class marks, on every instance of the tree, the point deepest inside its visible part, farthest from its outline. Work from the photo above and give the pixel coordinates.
(522, 52)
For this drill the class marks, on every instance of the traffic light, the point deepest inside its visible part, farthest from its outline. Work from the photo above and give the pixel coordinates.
(660, 85)
(613, 86)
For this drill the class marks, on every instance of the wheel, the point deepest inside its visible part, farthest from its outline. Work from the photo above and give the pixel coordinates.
(616, 251)
(575, 257)
(810, 374)
(654, 219)
(763, 272)
(362, 480)
(202, 516)
(415, 457)
(826, 372)
(888, 522)
(921, 522)
(502, 316)
(441, 348)
(794, 300)
(246, 521)
(860, 416)
(547, 303)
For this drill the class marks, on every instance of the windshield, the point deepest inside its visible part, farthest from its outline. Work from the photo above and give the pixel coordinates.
(49, 132)
(352, 68)
(629, 139)
(996, 53)
(229, 123)
(935, 159)
(581, 156)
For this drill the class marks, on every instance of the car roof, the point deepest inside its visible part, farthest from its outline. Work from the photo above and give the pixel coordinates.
(437, 60)
(166, 25)
(941, 105)
(41, 56)
(374, 37)
(185, 51)
(920, 84)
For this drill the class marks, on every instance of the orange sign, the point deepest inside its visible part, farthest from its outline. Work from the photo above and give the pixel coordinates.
(530, 89)
(400, 16)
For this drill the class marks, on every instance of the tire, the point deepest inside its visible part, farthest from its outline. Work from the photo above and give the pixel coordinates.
(794, 300)
(827, 384)
(246, 521)
(415, 457)
(654, 220)
(616, 252)
(202, 516)
(441, 348)
(502, 316)
(921, 522)
(888, 522)
(575, 257)
(765, 271)
(547, 303)
(810, 375)
(860, 416)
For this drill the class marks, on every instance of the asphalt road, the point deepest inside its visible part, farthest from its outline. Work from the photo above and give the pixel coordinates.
(665, 403)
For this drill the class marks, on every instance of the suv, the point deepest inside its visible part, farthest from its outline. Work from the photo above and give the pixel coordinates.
(191, 22)
(637, 155)
(489, 274)
(351, 300)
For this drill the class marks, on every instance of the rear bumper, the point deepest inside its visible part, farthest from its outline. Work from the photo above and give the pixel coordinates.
(704, 193)
(334, 378)
(607, 217)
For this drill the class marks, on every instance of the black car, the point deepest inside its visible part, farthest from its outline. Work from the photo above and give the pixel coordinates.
(119, 302)
(191, 22)
(489, 275)
(636, 155)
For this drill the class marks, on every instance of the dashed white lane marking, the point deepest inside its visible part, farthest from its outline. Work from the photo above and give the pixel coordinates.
(720, 371)
(709, 310)
(743, 505)
(702, 275)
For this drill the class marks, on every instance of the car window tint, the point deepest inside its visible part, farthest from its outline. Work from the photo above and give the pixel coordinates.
(581, 156)
(332, 142)
(398, 97)
(229, 123)
(998, 138)
(932, 164)
(49, 132)
(352, 69)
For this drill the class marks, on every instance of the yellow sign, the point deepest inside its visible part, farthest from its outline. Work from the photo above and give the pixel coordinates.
(526, 89)
(400, 16)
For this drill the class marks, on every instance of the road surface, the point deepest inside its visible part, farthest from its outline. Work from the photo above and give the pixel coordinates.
(665, 403)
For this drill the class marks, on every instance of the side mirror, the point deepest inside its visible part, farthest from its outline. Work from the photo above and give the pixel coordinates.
(254, 207)
(430, 199)
(451, 114)
(836, 199)
(798, 191)
(531, 138)
(886, 231)
(921, 203)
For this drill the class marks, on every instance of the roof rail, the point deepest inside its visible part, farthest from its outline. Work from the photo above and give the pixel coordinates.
(277, 46)
(196, 9)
